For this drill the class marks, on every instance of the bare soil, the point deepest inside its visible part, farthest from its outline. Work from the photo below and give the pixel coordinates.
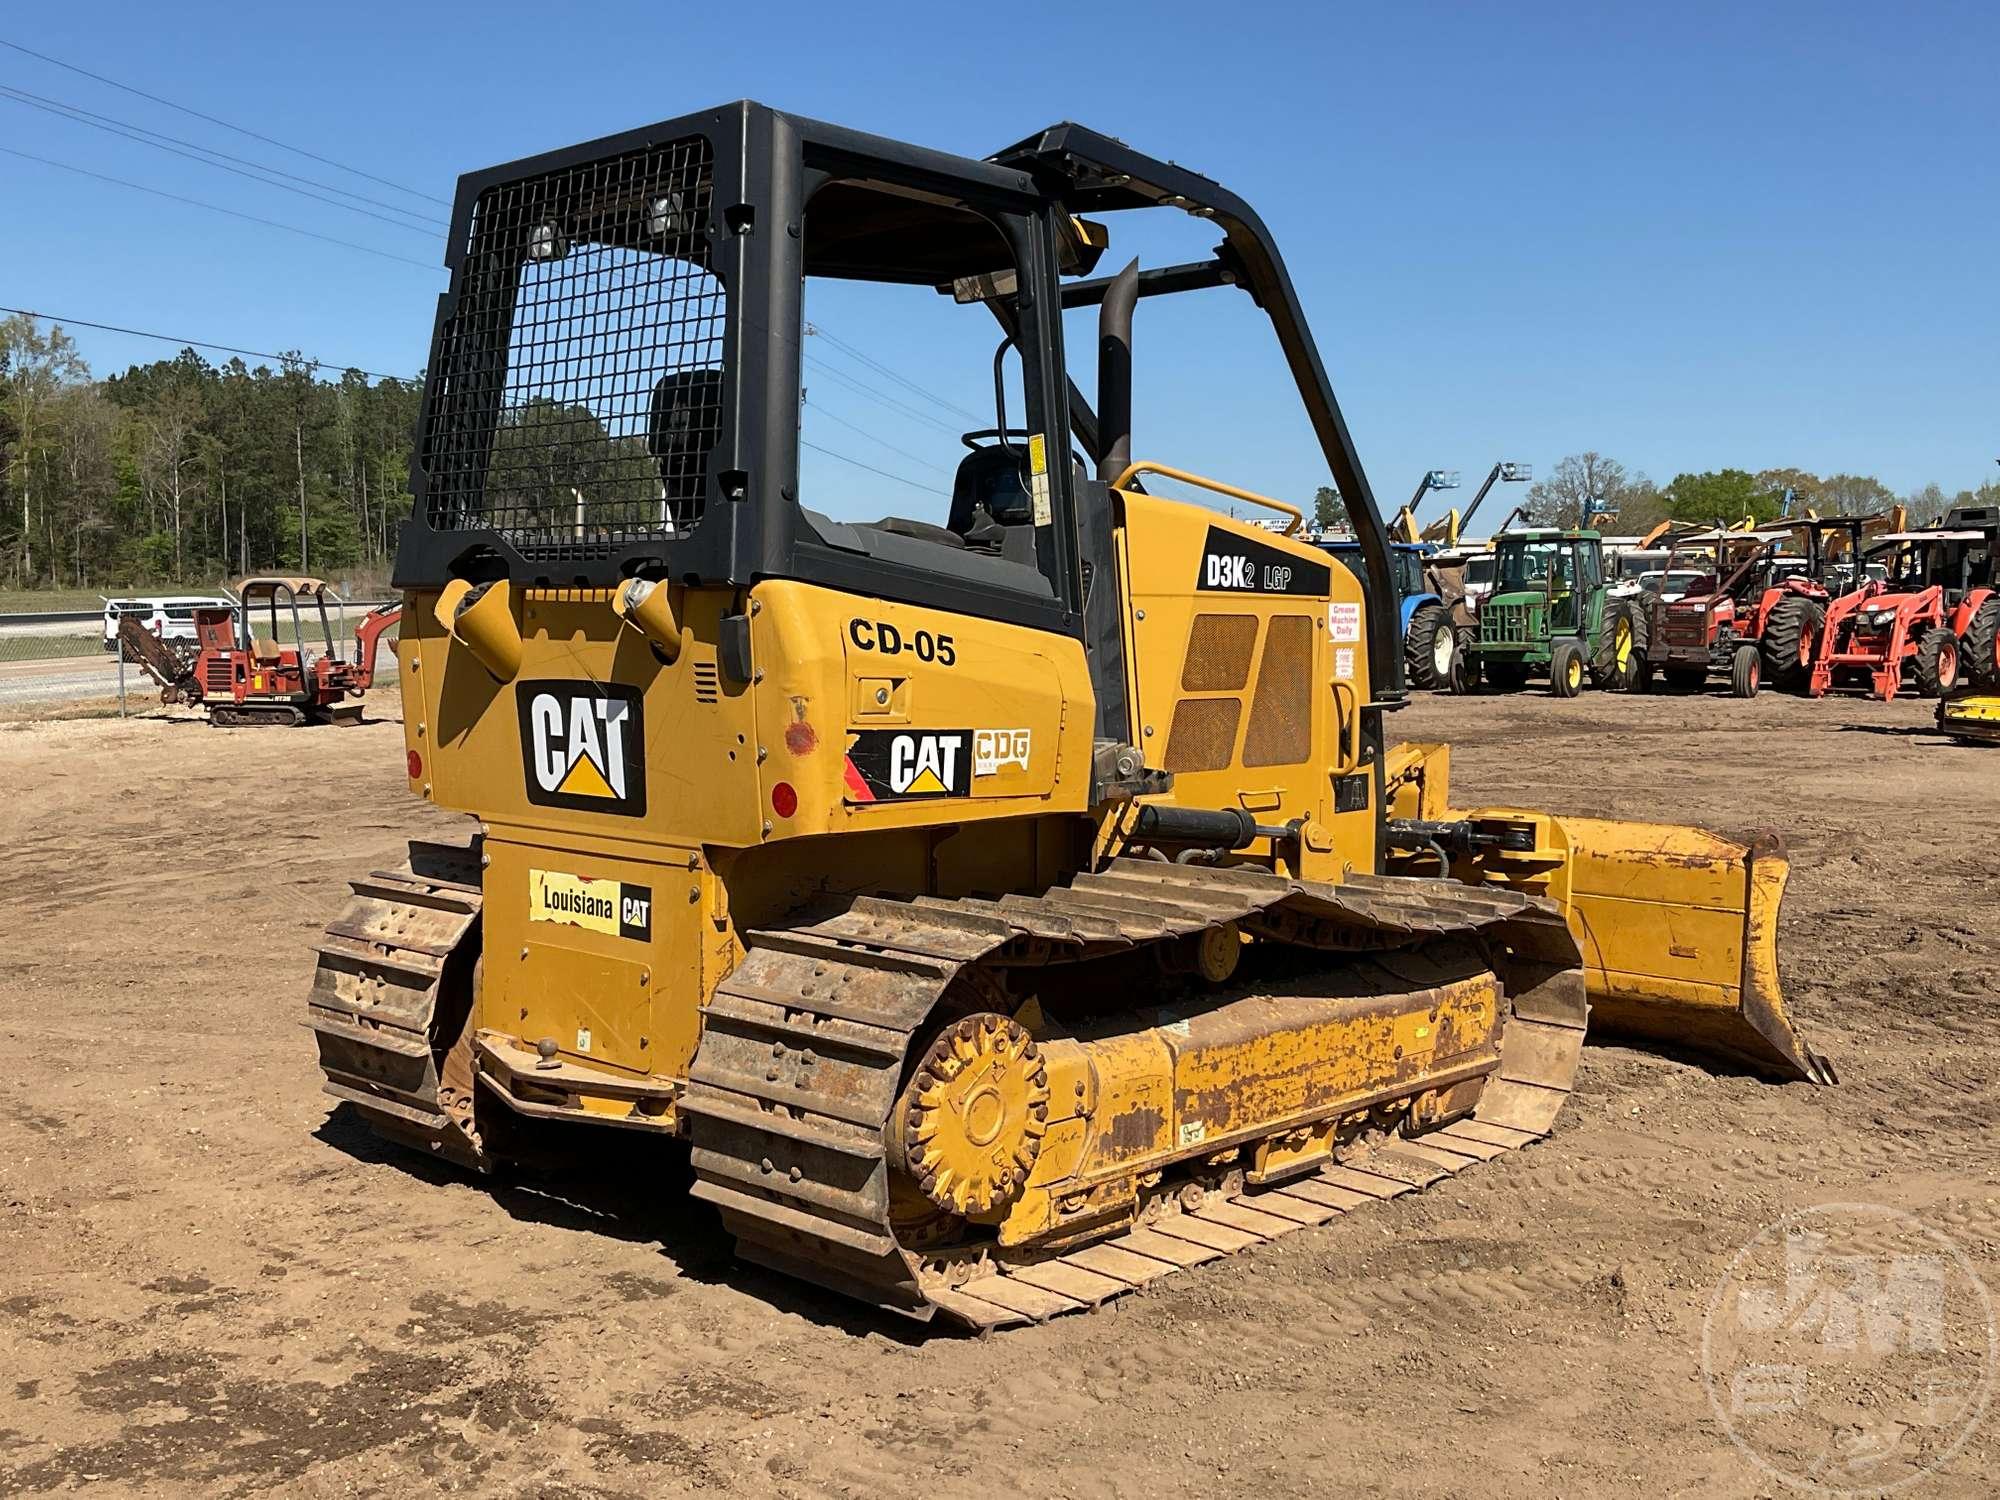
(210, 1284)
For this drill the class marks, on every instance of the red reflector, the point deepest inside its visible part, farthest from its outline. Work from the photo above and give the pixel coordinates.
(416, 766)
(784, 801)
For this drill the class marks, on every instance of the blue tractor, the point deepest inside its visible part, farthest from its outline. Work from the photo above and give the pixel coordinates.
(1427, 634)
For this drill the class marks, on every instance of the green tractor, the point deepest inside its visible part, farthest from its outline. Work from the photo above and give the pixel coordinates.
(1549, 615)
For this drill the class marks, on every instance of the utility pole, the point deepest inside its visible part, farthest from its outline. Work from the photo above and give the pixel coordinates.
(299, 455)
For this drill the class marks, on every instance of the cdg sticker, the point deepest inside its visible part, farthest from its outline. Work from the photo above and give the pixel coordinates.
(583, 746)
(995, 750)
(899, 765)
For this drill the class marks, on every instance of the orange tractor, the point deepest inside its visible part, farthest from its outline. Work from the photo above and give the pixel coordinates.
(1936, 617)
(244, 676)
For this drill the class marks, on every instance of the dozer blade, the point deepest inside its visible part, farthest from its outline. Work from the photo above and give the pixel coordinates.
(1679, 932)
(1973, 717)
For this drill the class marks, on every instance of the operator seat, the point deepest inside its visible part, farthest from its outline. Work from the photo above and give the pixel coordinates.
(989, 494)
(682, 427)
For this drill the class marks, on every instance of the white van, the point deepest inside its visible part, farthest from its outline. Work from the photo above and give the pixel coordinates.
(170, 617)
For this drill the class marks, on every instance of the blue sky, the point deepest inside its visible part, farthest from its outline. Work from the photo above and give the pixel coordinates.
(1687, 236)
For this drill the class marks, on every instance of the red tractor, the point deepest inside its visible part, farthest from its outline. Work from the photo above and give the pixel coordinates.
(1937, 615)
(1753, 611)
(245, 677)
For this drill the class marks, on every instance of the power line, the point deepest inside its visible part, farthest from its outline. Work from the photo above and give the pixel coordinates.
(830, 453)
(326, 161)
(84, 117)
(164, 141)
(862, 388)
(140, 333)
(881, 369)
(876, 438)
(138, 187)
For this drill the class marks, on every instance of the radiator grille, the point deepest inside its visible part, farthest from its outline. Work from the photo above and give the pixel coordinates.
(1203, 735)
(1685, 627)
(578, 389)
(1280, 732)
(707, 682)
(216, 676)
(1218, 653)
(1503, 623)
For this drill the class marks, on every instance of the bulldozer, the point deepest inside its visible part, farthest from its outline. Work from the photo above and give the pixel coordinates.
(1008, 909)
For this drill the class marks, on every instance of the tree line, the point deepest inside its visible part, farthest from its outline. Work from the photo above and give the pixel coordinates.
(187, 472)
(1591, 488)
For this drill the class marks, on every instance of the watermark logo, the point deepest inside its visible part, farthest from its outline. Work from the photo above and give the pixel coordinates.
(1850, 1349)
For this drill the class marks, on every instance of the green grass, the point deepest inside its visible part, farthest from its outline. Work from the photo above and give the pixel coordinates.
(43, 601)
(50, 647)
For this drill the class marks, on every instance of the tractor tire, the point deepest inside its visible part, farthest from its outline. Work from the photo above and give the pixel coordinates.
(1746, 671)
(1566, 670)
(1621, 647)
(1937, 662)
(1791, 639)
(1981, 660)
(1427, 648)
(1686, 679)
(1464, 670)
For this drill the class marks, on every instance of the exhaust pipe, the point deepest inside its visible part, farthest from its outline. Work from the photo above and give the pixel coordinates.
(1114, 373)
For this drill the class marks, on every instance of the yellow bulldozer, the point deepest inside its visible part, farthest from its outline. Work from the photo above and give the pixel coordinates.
(1006, 907)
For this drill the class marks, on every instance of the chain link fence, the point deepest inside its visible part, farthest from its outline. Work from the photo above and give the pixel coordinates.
(66, 662)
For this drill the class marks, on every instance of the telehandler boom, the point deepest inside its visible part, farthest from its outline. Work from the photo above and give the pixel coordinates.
(1007, 905)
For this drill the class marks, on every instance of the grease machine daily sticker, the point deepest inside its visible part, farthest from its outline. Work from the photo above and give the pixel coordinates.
(901, 765)
(1234, 564)
(583, 746)
(616, 908)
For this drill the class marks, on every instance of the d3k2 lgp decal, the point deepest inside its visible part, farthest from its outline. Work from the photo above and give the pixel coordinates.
(583, 746)
(898, 765)
(1235, 564)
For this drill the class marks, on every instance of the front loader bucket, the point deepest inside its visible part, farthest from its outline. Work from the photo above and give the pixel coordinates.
(1679, 932)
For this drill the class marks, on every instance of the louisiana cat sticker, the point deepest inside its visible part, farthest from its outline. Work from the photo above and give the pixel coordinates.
(900, 765)
(583, 746)
(616, 908)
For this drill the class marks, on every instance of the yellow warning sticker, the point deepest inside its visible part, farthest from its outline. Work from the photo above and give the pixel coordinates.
(1038, 479)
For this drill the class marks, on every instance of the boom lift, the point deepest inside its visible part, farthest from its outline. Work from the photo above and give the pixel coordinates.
(1448, 530)
(1404, 527)
(1008, 909)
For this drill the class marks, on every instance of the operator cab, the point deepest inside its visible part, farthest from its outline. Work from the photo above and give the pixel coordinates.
(662, 357)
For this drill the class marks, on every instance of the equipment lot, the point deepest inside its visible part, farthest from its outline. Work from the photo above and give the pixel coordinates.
(208, 1286)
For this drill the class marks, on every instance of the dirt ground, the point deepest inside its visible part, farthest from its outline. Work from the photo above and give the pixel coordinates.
(209, 1285)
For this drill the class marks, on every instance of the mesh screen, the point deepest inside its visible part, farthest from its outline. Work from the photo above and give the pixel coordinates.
(1203, 735)
(578, 389)
(1280, 732)
(1218, 653)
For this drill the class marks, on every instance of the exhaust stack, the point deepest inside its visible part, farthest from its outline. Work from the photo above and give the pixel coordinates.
(1114, 373)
